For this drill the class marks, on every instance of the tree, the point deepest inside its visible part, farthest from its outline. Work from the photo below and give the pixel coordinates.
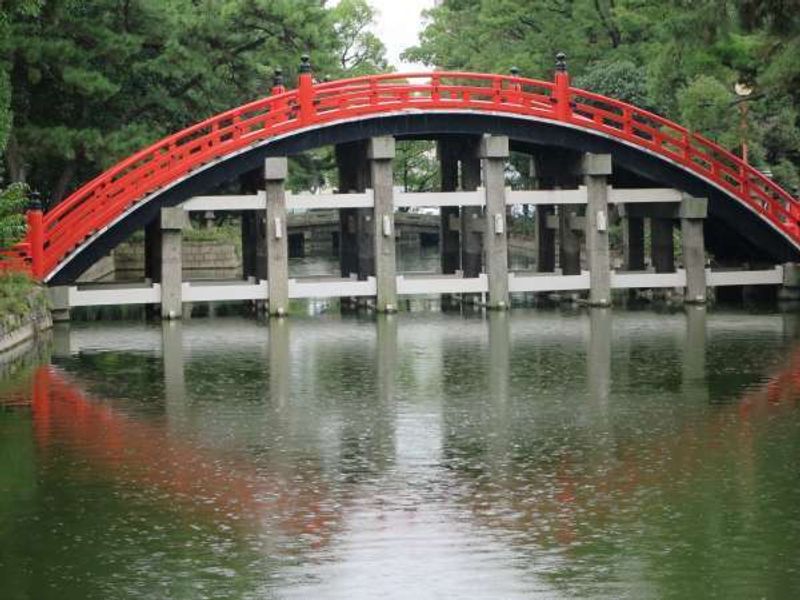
(620, 79)
(680, 59)
(94, 81)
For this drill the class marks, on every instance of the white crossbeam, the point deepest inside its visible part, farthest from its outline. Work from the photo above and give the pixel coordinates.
(222, 203)
(331, 287)
(643, 195)
(641, 279)
(441, 284)
(110, 295)
(547, 282)
(546, 196)
(431, 199)
(761, 277)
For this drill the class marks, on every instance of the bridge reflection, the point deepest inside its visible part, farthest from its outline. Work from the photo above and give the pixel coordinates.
(466, 454)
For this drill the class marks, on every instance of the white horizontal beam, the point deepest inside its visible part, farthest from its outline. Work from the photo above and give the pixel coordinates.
(320, 201)
(547, 282)
(426, 199)
(762, 277)
(331, 287)
(546, 196)
(639, 279)
(643, 195)
(223, 291)
(117, 295)
(205, 203)
(441, 284)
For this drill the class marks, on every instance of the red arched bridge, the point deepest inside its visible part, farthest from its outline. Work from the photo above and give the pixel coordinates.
(747, 205)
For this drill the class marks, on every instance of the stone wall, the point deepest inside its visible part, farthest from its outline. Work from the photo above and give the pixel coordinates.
(18, 328)
(201, 260)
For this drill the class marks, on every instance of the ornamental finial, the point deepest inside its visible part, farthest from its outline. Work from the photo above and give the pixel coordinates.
(305, 64)
(34, 201)
(561, 62)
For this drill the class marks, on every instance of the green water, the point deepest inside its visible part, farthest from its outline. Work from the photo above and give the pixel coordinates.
(535, 454)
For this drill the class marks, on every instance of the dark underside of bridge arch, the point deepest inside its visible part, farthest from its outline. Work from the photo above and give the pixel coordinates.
(732, 231)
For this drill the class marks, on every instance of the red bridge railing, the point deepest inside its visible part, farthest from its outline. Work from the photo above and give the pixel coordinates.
(110, 195)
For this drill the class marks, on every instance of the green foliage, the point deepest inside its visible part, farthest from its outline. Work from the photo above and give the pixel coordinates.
(705, 107)
(416, 167)
(94, 81)
(619, 79)
(13, 202)
(679, 58)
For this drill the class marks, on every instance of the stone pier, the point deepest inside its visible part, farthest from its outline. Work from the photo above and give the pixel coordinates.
(275, 172)
(380, 153)
(493, 152)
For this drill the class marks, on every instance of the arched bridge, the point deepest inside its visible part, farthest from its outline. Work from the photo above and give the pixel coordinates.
(532, 114)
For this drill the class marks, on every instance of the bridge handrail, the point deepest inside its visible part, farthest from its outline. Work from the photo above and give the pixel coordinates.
(110, 194)
(743, 180)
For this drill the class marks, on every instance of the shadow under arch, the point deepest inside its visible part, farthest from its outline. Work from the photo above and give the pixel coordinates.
(734, 229)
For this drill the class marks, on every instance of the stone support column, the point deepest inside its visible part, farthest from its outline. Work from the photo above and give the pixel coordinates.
(275, 171)
(494, 153)
(693, 213)
(172, 222)
(596, 169)
(380, 152)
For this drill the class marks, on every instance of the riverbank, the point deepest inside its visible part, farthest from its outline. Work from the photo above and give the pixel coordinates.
(24, 310)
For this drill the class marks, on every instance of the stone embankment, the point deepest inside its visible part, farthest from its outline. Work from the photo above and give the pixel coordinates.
(24, 312)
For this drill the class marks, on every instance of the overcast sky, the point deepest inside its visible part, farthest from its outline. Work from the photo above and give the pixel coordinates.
(398, 24)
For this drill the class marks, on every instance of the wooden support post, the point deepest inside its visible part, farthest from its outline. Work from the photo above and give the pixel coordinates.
(662, 251)
(633, 243)
(569, 241)
(545, 239)
(275, 171)
(596, 169)
(494, 153)
(380, 152)
(471, 233)
(449, 242)
(354, 175)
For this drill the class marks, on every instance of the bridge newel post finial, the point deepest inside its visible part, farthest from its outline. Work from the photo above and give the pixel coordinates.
(35, 219)
(277, 82)
(561, 93)
(305, 90)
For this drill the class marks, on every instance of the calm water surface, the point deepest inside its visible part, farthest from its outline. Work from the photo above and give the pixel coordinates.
(528, 455)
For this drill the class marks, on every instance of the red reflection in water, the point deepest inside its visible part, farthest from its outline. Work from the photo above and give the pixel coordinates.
(152, 457)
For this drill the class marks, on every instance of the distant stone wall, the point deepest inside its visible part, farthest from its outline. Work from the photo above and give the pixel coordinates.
(201, 260)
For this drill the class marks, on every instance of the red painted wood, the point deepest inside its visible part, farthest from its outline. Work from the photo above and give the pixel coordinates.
(109, 195)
